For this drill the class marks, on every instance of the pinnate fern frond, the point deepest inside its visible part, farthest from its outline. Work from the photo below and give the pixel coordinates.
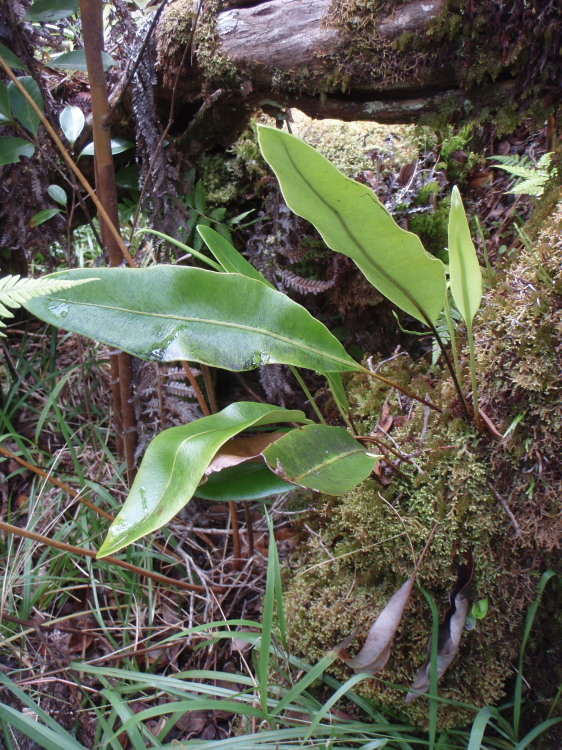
(531, 179)
(15, 291)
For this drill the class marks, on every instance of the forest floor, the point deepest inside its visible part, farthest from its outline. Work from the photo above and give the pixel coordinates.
(69, 621)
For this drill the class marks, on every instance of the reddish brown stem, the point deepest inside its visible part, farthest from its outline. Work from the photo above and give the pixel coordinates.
(198, 394)
(40, 539)
(122, 386)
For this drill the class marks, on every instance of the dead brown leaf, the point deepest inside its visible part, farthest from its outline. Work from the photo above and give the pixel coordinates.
(239, 450)
(376, 649)
(450, 632)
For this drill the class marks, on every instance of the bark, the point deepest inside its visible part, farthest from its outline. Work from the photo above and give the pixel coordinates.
(414, 61)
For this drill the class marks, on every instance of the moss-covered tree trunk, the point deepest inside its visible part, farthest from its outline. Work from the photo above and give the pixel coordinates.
(385, 60)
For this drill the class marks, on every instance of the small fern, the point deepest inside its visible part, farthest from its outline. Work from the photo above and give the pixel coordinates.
(531, 179)
(15, 291)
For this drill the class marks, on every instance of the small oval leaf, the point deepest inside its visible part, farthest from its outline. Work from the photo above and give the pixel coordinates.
(57, 194)
(10, 59)
(118, 145)
(5, 112)
(320, 457)
(72, 122)
(76, 60)
(21, 108)
(42, 216)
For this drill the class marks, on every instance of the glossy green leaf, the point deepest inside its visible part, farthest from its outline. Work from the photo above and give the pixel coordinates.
(10, 59)
(174, 464)
(12, 149)
(42, 216)
(5, 111)
(118, 145)
(464, 269)
(246, 481)
(128, 178)
(169, 313)
(353, 221)
(45, 11)
(76, 60)
(21, 108)
(323, 458)
(72, 122)
(58, 194)
(229, 258)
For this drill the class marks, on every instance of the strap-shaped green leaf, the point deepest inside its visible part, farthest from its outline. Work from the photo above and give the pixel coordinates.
(228, 257)
(323, 458)
(168, 313)
(353, 221)
(174, 464)
(464, 269)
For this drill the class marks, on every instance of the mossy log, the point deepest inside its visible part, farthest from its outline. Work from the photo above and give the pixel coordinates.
(388, 61)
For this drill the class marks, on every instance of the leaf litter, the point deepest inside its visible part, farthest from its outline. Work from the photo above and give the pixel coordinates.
(378, 644)
(450, 632)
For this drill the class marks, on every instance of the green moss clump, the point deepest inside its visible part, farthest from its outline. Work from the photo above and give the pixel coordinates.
(432, 228)
(349, 145)
(218, 70)
(366, 543)
(228, 176)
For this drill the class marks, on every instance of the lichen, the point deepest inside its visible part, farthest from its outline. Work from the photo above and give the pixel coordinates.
(365, 544)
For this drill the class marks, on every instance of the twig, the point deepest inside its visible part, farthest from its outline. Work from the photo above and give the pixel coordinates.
(507, 509)
(195, 385)
(82, 551)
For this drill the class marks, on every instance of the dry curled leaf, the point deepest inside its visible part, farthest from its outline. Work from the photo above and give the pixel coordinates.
(376, 649)
(450, 632)
(239, 450)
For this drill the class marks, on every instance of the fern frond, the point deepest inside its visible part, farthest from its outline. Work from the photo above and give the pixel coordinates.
(511, 160)
(545, 161)
(517, 171)
(533, 186)
(15, 292)
(302, 285)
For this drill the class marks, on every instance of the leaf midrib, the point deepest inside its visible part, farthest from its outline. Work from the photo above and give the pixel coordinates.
(328, 462)
(353, 239)
(210, 321)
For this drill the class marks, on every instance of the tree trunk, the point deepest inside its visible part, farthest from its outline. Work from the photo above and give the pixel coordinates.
(409, 62)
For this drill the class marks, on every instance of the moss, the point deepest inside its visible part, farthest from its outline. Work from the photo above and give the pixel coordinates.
(362, 548)
(432, 228)
(218, 70)
(350, 146)
(228, 176)
(487, 40)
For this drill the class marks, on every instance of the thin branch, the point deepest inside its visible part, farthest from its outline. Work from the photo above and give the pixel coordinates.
(83, 552)
(507, 509)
